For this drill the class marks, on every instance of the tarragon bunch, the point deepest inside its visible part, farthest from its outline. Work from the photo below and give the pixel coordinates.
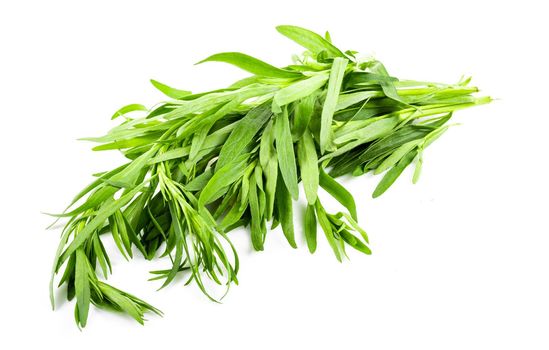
(200, 165)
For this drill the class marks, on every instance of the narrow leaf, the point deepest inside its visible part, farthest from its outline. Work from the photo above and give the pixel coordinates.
(179, 235)
(354, 242)
(327, 228)
(285, 212)
(391, 176)
(396, 156)
(386, 84)
(221, 179)
(334, 86)
(285, 153)
(256, 232)
(308, 166)
(310, 228)
(271, 175)
(169, 91)
(298, 90)
(338, 192)
(251, 64)
(127, 109)
(82, 286)
(304, 110)
(419, 165)
(309, 40)
(56, 264)
(135, 142)
(243, 133)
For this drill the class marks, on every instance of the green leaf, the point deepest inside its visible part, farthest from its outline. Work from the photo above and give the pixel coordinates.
(396, 156)
(304, 110)
(419, 164)
(221, 179)
(233, 217)
(349, 99)
(68, 275)
(257, 236)
(127, 109)
(252, 65)
(102, 257)
(197, 143)
(179, 235)
(327, 228)
(266, 148)
(82, 285)
(354, 242)
(310, 228)
(243, 133)
(298, 90)
(338, 192)
(381, 147)
(246, 81)
(171, 154)
(386, 84)
(362, 79)
(393, 174)
(334, 86)
(437, 122)
(354, 225)
(116, 236)
(122, 302)
(365, 130)
(309, 40)
(396, 139)
(56, 264)
(375, 130)
(308, 166)
(135, 142)
(132, 235)
(123, 232)
(215, 99)
(285, 153)
(269, 163)
(285, 212)
(431, 137)
(199, 182)
(169, 91)
(271, 175)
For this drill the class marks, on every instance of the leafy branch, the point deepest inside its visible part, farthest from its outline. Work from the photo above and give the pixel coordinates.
(200, 165)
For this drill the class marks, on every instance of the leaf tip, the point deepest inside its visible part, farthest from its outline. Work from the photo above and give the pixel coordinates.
(201, 61)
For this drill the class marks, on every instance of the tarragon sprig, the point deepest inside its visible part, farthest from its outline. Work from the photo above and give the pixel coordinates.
(200, 165)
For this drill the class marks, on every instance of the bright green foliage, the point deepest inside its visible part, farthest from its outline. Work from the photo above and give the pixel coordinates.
(200, 165)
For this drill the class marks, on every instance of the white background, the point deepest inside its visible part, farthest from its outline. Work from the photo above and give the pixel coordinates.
(460, 260)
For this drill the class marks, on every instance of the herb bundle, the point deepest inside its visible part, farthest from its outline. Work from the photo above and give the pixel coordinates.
(200, 165)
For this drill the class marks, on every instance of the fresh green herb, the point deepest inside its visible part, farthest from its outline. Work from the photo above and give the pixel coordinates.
(200, 165)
